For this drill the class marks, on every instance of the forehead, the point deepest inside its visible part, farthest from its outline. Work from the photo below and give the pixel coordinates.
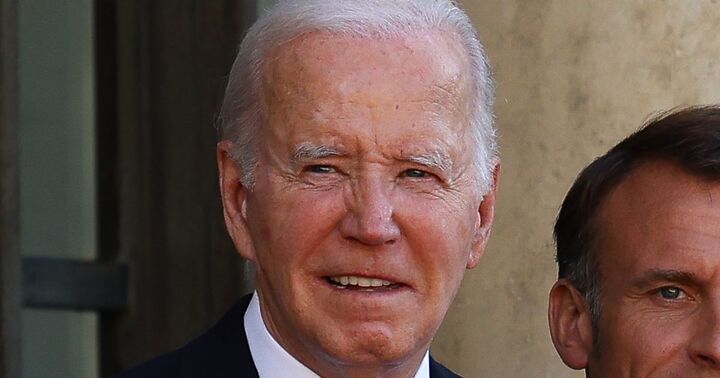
(660, 217)
(429, 66)
(370, 96)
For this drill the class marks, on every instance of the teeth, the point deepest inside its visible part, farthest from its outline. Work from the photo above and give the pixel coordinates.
(375, 282)
(360, 281)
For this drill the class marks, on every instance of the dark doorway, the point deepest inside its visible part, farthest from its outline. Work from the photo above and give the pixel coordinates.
(163, 268)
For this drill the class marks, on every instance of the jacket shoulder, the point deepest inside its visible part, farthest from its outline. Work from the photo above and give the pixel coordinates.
(167, 365)
(437, 370)
(221, 352)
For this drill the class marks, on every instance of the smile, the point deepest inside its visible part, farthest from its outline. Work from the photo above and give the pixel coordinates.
(356, 282)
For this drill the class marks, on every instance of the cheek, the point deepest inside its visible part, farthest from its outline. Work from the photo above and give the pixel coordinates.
(645, 346)
(293, 223)
(447, 223)
(660, 344)
(441, 236)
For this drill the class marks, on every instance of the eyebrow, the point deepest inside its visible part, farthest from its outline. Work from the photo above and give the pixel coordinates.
(309, 151)
(657, 275)
(435, 159)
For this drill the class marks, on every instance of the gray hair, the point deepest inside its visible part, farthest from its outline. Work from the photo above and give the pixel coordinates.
(241, 115)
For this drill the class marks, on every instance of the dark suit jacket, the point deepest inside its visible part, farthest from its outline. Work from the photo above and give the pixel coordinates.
(222, 352)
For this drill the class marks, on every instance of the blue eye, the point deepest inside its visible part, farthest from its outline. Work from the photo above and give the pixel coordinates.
(415, 173)
(320, 169)
(671, 292)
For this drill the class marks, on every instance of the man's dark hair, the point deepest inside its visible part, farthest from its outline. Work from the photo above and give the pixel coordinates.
(688, 137)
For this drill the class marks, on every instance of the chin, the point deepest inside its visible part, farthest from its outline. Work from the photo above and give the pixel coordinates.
(375, 347)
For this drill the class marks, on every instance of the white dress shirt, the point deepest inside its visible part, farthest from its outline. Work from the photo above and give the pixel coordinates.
(272, 361)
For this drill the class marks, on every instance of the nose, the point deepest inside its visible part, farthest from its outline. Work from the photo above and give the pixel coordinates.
(705, 345)
(369, 219)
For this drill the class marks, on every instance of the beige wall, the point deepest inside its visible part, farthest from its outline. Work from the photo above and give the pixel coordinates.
(573, 78)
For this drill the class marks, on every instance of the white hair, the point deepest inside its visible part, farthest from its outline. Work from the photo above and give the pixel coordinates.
(241, 115)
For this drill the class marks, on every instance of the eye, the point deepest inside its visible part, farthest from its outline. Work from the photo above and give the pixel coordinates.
(415, 173)
(321, 169)
(671, 293)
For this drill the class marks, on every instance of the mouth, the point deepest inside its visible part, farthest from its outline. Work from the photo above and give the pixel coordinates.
(362, 283)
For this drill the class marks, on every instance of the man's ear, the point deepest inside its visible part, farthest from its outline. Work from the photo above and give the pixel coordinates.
(234, 196)
(486, 213)
(571, 325)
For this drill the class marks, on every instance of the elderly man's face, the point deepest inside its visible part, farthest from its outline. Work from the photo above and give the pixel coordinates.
(659, 260)
(366, 210)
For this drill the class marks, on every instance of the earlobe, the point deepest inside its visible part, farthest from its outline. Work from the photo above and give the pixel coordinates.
(485, 217)
(234, 199)
(570, 324)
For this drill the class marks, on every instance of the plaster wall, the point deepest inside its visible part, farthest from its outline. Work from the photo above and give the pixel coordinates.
(573, 78)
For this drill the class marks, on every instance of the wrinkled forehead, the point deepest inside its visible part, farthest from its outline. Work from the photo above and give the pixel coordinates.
(433, 66)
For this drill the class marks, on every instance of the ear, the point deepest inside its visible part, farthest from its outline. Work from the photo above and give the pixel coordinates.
(486, 213)
(234, 196)
(570, 324)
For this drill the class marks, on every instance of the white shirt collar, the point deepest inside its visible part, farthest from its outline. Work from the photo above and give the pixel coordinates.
(272, 361)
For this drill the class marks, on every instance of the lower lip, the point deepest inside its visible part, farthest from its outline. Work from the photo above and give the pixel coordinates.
(370, 304)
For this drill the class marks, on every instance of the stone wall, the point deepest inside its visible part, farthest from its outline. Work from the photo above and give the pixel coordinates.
(573, 78)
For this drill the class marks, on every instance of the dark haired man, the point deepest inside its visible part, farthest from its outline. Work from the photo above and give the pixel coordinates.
(638, 248)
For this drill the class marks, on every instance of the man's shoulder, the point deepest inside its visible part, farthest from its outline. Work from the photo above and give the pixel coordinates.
(220, 352)
(437, 370)
(167, 365)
